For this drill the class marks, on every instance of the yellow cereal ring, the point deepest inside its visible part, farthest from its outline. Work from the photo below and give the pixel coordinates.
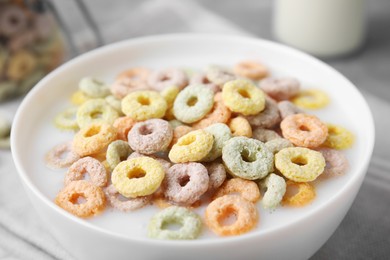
(338, 137)
(143, 105)
(192, 147)
(66, 120)
(311, 99)
(306, 194)
(170, 94)
(136, 177)
(78, 98)
(96, 111)
(21, 64)
(240, 126)
(300, 164)
(93, 138)
(242, 96)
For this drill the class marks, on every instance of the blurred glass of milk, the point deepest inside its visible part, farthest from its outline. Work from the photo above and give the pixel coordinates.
(325, 28)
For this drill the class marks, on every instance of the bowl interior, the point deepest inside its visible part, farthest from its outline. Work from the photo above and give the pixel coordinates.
(34, 133)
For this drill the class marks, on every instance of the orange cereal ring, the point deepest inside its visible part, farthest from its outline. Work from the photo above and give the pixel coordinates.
(222, 208)
(304, 130)
(123, 125)
(251, 69)
(95, 169)
(247, 189)
(130, 80)
(93, 138)
(218, 114)
(69, 196)
(306, 193)
(240, 127)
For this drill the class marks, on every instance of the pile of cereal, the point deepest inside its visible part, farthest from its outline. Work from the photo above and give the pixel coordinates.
(227, 140)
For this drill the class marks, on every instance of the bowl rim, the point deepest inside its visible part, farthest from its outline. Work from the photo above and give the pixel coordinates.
(175, 37)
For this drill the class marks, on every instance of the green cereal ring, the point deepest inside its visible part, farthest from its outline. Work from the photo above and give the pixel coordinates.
(94, 88)
(275, 188)
(193, 103)
(144, 104)
(221, 133)
(66, 120)
(5, 130)
(117, 151)
(191, 224)
(247, 158)
(300, 164)
(95, 111)
(114, 103)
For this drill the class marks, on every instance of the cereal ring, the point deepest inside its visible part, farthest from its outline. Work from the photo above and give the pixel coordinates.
(95, 111)
(311, 99)
(164, 163)
(21, 41)
(61, 156)
(129, 81)
(78, 98)
(278, 144)
(219, 75)
(123, 125)
(12, 20)
(243, 97)
(217, 175)
(96, 171)
(193, 103)
(68, 198)
(186, 183)
(221, 134)
(21, 64)
(239, 126)
(336, 163)
(180, 131)
(143, 105)
(137, 177)
(304, 130)
(94, 88)
(218, 114)
(306, 193)
(275, 188)
(287, 108)
(280, 88)
(299, 164)
(191, 147)
(246, 189)
(66, 120)
(113, 196)
(117, 151)
(5, 131)
(114, 103)
(251, 69)
(170, 94)
(222, 208)
(338, 137)
(93, 138)
(247, 158)
(162, 79)
(175, 123)
(265, 135)
(268, 118)
(151, 136)
(190, 224)
(201, 78)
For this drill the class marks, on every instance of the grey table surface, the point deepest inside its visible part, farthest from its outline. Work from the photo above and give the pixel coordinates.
(365, 231)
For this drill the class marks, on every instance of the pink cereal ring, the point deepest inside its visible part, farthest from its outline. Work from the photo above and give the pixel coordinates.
(251, 69)
(150, 136)
(130, 80)
(202, 79)
(280, 88)
(287, 108)
(336, 163)
(268, 118)
(185, 183)
(96, 170)
(125, 204)
(217, 175)
(161, 79)
(12, 20)
(61, 156)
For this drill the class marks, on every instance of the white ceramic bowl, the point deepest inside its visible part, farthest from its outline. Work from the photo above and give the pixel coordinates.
(287, 233)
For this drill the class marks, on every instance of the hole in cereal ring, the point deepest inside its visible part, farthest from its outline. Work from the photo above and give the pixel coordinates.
(304, 128)
(192, 101)
(145, 130)
(92, 131)
(96, 114)
(165, 78)
(143, 100)
(228, 216)
(248, 156)
(243, 93)
(187, 140)
(299, 160)
(77, 198)
(183, 181)
(173, 225)
(136, 173)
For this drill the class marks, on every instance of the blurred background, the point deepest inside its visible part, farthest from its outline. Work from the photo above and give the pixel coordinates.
(353, 36)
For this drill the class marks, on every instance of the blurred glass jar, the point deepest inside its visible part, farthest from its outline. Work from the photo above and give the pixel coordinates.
(31, 45)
